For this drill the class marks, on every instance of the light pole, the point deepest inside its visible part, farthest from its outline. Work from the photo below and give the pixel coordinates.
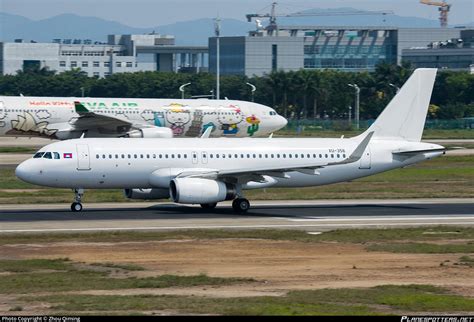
(357, 96)
(350, 116)
(252, 86)
(181, 89)
(82, 91)
(217, 29)
(394, 86)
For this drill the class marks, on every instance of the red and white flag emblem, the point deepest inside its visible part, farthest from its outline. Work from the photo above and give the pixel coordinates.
(67, 155)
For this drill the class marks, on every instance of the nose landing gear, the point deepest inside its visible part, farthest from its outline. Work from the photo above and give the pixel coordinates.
(76, 206)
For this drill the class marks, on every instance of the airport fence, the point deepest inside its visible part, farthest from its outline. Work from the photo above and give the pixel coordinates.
(315, 125)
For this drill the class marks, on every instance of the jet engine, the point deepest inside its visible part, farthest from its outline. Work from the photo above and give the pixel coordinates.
(151, 133)
(201, 191)
(146, 194)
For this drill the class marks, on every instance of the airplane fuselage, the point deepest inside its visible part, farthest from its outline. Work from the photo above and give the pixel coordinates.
(122, 163)
(54, 117)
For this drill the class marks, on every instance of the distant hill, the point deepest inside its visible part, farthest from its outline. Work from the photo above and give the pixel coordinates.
(194, 32)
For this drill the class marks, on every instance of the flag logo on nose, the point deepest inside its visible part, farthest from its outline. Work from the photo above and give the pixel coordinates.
(67, 155)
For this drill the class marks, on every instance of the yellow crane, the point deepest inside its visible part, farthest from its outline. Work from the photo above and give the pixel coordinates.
(443, 10)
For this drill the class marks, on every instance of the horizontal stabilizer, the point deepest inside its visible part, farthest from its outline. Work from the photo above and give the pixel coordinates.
(409, 152)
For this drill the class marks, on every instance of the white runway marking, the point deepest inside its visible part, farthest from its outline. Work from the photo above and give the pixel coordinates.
(391, 218)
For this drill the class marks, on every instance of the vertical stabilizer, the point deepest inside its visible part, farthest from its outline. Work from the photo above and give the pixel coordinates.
(405, 115)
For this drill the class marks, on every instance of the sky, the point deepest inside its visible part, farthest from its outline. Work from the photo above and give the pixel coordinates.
(149, 13)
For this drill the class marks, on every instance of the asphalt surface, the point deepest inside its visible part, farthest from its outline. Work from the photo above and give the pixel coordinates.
(310, 216)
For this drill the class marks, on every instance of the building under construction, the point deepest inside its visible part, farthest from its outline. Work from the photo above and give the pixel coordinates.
(357, 48)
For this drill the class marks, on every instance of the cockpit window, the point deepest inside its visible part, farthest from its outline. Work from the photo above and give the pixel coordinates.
(38, 155)
(47, 155)
(273, 113)
(56, 155)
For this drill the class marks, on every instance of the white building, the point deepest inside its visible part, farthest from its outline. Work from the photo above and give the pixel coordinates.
(122, 53)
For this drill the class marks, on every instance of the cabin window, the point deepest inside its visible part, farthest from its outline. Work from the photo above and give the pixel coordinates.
(326, 156)
(284, 156)
(123, 156)
(147, 156)
(103, 156)
(230, 156)
(96, 156)
(223, 156)
(154, 156)
(241, 156)
(344, 155)
(254, 156)
(217, 156)
(260, 156)
(236, 156)
(338, 156)
(332, 156)
(248, 156)
(185, 156)
(211, 155)
(179, 156)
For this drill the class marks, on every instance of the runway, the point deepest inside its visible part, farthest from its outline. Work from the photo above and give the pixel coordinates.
(312, 216)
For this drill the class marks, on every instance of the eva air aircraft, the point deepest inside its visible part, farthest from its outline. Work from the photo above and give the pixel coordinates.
(206, 171)
(71, 117)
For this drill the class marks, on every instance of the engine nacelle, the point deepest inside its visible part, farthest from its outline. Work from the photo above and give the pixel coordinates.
(146, 194)
(201, 191)
(151, 133)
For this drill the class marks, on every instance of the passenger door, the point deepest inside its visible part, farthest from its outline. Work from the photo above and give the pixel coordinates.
(83, 160)
(366, 159)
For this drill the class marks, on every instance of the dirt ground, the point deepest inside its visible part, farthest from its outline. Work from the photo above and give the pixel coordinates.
(278, 266)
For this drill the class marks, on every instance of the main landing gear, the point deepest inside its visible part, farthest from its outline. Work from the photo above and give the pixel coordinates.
(76, 206)
(240, 205)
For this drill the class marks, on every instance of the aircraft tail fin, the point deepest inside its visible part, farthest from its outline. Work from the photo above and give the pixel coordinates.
(80, 108)
(405, 115)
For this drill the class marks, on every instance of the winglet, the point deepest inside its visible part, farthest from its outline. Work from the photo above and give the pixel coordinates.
(207, 133)
(359, 150)
(80, 108)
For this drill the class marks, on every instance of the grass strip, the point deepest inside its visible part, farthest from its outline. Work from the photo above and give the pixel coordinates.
(344, 235)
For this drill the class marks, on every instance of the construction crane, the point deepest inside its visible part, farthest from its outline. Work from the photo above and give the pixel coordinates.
(443, 10)
(272, 26)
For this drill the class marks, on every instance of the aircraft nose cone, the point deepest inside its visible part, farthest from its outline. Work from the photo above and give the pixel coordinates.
(282, 122)
(24, 171)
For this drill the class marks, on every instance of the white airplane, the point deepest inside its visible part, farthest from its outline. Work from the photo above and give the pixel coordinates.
(207, 171)
(66, 118)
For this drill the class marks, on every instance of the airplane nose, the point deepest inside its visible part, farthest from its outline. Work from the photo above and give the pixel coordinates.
(24, 171)
(282, 122)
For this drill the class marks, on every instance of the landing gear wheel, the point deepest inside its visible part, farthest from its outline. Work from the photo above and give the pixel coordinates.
(76, 206)
(208, 205)
(241, 205)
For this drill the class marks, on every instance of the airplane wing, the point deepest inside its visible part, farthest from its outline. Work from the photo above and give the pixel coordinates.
(258, 173)
(88, 120)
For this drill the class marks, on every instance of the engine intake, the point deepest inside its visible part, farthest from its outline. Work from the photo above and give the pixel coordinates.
(146, 194)
(201, 191)
(151, 132)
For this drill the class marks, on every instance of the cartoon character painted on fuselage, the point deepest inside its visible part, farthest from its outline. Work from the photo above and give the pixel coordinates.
(229, 120)
(176, 120)
(58, 118)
